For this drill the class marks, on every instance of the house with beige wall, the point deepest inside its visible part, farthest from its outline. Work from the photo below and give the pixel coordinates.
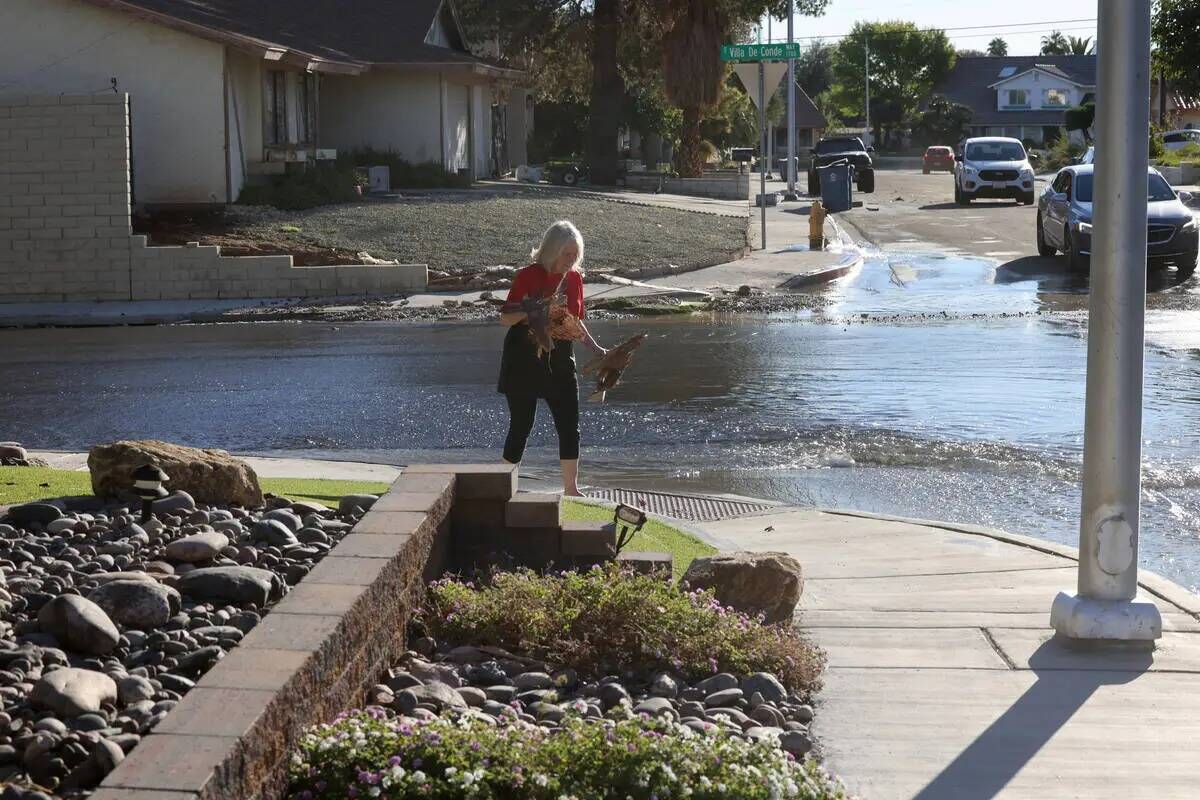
(224, 91)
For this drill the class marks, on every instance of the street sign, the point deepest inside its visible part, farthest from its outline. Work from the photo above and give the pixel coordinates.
(773, 72)
(760, 52)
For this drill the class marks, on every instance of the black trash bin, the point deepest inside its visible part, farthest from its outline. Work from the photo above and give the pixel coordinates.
(837, 182)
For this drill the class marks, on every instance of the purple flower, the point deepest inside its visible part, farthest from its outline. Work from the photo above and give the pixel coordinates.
(352, 792)
(394, 761)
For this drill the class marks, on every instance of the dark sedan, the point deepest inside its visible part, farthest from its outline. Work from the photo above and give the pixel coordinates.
(1064, 221)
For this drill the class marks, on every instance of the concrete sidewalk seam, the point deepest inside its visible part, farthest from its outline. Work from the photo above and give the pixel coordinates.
(991, 640)
(934, 574)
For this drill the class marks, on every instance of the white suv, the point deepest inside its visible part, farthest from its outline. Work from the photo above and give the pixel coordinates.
(993, 166)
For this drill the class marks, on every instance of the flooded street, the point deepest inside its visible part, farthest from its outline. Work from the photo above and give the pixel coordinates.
(934, 387)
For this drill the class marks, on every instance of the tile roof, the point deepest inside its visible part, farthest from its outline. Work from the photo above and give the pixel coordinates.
(807, 113)
(970, 80)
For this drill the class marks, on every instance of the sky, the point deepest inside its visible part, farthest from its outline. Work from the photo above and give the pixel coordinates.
(1003, 19)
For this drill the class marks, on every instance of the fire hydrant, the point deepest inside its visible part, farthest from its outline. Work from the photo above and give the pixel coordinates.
(816, 226)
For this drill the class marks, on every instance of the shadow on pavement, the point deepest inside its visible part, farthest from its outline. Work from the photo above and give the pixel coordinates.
(949, 204)
(997, 755)
(1053, 275)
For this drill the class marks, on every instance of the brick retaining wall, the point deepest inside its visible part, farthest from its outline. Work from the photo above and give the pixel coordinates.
(65, 229)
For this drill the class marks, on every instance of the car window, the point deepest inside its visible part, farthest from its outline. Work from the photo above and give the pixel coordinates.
(1172, 138)
(839, 145)
(1157, 189)
(1060, 183)
(995, 151)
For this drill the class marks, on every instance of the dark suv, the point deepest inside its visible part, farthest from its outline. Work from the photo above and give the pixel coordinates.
(837, 148)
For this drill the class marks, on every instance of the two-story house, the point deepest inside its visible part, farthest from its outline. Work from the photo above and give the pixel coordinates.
(1024, 97)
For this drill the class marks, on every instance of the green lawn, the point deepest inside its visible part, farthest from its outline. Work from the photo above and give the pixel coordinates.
(23, 484)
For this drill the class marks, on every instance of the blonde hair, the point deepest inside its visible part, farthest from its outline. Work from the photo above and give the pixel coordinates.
(557, 238)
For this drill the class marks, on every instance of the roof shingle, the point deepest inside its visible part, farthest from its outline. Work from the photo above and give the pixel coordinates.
(970, 80)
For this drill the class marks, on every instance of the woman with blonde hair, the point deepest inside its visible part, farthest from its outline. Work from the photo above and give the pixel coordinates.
(534, 366)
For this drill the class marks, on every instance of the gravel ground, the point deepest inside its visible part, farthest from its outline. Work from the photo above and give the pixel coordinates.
(466, 230)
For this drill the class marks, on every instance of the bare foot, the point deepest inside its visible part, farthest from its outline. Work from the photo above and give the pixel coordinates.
(572, 492)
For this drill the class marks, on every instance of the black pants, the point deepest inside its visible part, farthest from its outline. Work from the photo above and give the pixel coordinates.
(522, 409)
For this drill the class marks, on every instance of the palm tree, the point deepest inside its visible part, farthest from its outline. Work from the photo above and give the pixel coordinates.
(692, 71)
(1081, 46)
(1055, 44)
(997, 47)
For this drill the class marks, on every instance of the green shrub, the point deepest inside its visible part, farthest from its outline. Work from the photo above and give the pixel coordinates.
(1173, 158)
(364, 754)
(1062, 152)
(405, 174)
(319, 185)
(606, 621)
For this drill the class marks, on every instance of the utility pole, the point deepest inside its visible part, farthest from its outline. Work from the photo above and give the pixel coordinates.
(762, 132)
(771, 128)
(867, 82)
(1103, 607)
(791, 107)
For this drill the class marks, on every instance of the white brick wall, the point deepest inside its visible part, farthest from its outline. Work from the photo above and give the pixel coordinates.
(65, 229)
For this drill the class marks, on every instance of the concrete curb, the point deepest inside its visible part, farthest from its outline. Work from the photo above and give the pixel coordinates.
(852, 260)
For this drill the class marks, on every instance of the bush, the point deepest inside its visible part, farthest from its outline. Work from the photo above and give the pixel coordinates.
(364, 754)
(1173, 158)
(1062, 152)
(315, 186)
(405, 174)
(606, 621)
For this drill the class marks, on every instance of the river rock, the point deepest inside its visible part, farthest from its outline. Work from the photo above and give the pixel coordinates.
(27, 513)
(79, 624)
(717, 683)
(177, 502)
(797, 743)
(71, 692)
(137, 604)
(765, 684)
(753, 583)
(656, 706)
(273, 532)
(533, 680)
(134, 689)
(612, 694)
(197, 547)
(437, 694)
(726, 698)
(352, 501)
(212, 477)
(287, 517)
(237, 585)
(11, 451)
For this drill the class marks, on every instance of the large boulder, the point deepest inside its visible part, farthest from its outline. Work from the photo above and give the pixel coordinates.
(753, 583)
(79, 624)
(70, 692)
(212, 477)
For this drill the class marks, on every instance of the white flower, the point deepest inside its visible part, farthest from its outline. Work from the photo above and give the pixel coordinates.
(419, 776)
(541, 780)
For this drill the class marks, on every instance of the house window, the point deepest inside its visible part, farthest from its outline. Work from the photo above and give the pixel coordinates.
(1018, 97)
(275, 107)
(1055, 98)
(307, 118)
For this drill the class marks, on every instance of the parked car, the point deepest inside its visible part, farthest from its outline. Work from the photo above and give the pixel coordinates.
(993, 166)
(1175, 140)
(833, 149)
(1088, 157)
(937, 157)
(1064, 221)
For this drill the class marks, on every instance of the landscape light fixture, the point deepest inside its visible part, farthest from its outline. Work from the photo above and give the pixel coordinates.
(628, 521)
(148, 481)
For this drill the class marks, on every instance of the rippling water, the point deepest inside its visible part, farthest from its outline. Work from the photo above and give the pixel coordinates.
(974, 414)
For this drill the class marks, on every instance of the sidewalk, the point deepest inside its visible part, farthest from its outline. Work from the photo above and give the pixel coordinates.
(944, 682)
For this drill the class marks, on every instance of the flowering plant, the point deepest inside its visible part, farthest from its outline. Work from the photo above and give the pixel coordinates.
(608, 621)
(366, 754)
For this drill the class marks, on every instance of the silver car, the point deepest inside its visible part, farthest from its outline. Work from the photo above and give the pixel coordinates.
(1064, 221)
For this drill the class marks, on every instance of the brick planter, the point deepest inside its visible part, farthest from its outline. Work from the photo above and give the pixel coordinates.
(318, 650)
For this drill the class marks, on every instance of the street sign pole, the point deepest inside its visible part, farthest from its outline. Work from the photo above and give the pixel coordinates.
(1104, 607)
(867, 84)
(762, 167)
(791, 107)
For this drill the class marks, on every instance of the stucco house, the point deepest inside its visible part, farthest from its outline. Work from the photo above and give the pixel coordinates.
(1024, 97)
(224, 90)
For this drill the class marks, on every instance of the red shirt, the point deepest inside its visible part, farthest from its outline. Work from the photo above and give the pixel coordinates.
(536, 281)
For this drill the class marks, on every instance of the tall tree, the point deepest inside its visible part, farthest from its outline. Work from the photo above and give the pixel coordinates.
(905, 63)
(608, 92)
(997, 47)
(1081, 45)
(1176, 56)
(943, 121)
(1055, 44)
(814, 68)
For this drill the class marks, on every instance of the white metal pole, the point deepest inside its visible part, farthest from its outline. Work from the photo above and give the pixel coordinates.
(762, 167)
(1108, 526)
(791, 106)
(770, 126)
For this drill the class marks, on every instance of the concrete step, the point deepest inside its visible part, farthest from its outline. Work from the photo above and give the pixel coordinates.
(589, 539)
(532, 511)
(475, 481)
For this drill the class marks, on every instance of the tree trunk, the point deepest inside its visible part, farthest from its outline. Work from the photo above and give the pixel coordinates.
(691, 156)
(607, 91)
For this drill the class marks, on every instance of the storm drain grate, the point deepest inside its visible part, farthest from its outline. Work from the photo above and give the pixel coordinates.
(681, 506)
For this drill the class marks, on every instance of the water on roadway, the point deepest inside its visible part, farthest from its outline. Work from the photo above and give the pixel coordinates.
(946, 388)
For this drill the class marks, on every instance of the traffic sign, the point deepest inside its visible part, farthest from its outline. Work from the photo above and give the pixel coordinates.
(771, 74)
(760, 52)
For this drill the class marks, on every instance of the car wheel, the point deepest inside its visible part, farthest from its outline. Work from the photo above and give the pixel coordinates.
(961, 197)
(814, 184)
(1075, 261)
(866, 181)
(1043, 248)
(1185, 272)
(1026, 199)
(570, 177)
